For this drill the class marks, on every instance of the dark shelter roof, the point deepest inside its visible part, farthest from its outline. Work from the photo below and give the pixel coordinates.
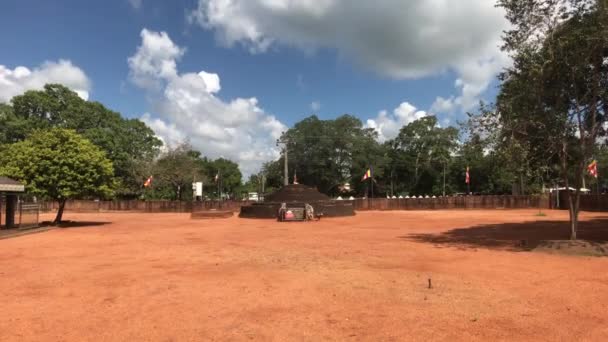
(10, 185)
(296, 193)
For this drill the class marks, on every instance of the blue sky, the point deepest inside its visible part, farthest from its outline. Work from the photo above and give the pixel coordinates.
(345, 56)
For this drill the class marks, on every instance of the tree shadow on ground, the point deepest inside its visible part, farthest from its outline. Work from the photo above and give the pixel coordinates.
(75, 224)
(523, 236)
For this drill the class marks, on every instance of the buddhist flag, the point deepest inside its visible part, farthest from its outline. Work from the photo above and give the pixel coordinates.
(467, 177)
(367, 175)
(592, 169)
(148, 182)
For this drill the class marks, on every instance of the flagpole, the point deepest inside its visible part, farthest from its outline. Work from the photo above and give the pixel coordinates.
(597, 179)
(468, 180)
(372, 179)
(221, 185)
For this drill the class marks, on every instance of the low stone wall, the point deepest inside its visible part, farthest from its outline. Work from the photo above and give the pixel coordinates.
(593, 202)
(462, 202)
(144, 206)
(329, 208)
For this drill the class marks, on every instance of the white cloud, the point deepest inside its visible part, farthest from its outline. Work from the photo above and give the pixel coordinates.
(155, 60)
(136, 4)
(388, 125)
(442, 105)
(474, 78)
(187, 108)
(396, 38)
(315, 106)
(21, 79)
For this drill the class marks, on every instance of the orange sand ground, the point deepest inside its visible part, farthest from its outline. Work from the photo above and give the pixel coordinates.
(164, 277)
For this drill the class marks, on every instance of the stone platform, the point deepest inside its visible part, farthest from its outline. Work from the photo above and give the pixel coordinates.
(211, 214)
(297, 195)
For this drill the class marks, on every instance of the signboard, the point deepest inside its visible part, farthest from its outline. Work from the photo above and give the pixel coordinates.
(199, 189)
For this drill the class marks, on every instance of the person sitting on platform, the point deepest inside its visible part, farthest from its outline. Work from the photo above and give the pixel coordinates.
(310, 212)
(282, 211)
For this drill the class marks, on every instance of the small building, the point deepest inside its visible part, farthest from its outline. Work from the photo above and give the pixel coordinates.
(9, 192)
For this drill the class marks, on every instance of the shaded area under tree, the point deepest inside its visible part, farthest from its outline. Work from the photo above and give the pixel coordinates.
(523, 236)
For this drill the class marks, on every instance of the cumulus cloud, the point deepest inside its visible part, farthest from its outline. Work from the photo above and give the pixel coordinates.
(16, 81)
(475, 76)
(155, 60)
(387, 125)
(396, 38)
(187, 107)
(442, 105)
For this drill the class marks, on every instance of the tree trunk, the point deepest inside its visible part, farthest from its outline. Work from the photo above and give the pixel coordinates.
(60, 211)
(573, 211)
(573, 203)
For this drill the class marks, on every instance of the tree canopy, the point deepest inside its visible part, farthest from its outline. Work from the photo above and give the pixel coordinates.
(59, 164)
(178, 167)
(128, 143)
(328, 153)
(553, 101)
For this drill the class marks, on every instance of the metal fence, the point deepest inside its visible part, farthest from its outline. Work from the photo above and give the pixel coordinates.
(28, 215)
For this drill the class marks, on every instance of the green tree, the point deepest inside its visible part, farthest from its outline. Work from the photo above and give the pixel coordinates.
(230, 176)
(419, 154)
(556, 92)
(174, 172)
(58, 164)
(499, 156)
(178, 167)
(327, 153)
(272, 175)
(129, 143)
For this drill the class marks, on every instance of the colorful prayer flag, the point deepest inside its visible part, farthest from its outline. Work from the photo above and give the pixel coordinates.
(592, 169)
(148, 182)
(367, 175)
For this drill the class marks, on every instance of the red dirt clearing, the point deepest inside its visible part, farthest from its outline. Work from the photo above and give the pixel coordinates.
(164, 277)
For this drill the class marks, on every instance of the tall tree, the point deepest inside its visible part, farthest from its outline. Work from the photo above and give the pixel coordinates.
(129, 143)
(174, 172)
(420, 152)
(229, 176)
(557, 88)
(58, 164)
(328, 153)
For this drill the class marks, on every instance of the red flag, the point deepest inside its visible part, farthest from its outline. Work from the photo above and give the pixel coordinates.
(148, 182)
(592, 169)
(467, 178)
(367, 175)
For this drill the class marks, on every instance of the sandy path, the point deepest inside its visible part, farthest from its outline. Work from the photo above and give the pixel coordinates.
(163, 277)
